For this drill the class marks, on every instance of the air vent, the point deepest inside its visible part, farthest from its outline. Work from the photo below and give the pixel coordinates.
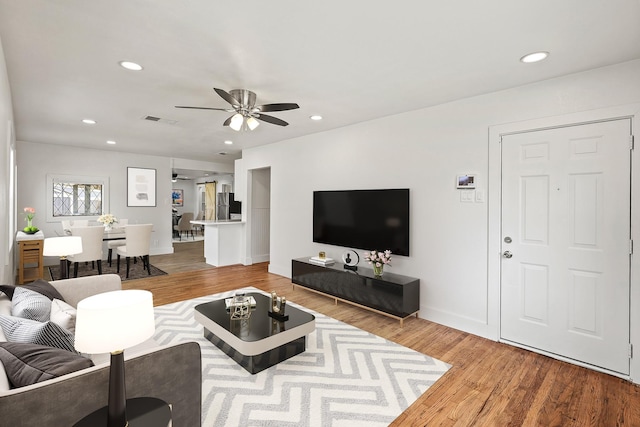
(159, 119)
(223, 153)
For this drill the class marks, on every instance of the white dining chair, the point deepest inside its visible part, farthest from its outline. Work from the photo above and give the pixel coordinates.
(67, 224)
(184, 224)
(137, 244)
(112, 244)
(91, 247)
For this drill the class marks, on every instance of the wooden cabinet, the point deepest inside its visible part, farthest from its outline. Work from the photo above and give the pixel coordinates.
(30, 265)
(391, 294)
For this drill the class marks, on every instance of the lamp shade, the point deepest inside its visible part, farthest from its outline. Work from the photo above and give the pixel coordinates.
(252, 123)
(62, 246)
(236, 122)
(113, 321)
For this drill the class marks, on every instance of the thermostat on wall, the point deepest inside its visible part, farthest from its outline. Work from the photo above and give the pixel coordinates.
(466, 181)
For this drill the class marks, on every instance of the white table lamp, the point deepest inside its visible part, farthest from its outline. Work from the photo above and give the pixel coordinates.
(109, 323)
(62, 247)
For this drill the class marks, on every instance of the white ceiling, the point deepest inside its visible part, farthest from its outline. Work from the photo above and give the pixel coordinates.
(350, 61)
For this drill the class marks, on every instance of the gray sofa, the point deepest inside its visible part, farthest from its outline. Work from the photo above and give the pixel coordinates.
(171, 373)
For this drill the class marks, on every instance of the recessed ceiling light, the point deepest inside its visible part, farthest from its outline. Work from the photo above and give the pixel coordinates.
(534, 57)
(316, 117)
(89, 121)
(228, 142)
(110, 142)
(130, 65)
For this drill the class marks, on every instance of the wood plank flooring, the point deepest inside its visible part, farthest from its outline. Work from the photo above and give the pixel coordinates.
(490, 384)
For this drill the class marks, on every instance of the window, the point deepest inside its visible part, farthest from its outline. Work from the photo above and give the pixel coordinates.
(76, 196)
(72, 199)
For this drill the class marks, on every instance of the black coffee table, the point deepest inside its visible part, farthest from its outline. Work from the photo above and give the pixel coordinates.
(260, 341)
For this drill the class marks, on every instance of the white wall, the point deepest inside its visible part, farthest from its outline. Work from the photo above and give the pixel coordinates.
(7, 141)
(36, 161)
(424, 150)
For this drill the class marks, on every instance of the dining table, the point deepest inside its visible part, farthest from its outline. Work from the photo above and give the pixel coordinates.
(115, 233)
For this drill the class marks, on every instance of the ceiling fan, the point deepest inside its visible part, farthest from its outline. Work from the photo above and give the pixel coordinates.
(246, 112)
(175, 177)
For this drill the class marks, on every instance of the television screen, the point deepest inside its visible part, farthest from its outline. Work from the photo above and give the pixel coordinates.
(363, 219)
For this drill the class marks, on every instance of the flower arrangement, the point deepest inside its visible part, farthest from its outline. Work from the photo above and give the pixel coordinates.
(107, 219)
(378, 260)
(29, 213)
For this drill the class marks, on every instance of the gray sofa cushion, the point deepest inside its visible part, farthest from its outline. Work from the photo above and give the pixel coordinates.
(30, 331)
(41, 286)
(27, 364)
(29, 304)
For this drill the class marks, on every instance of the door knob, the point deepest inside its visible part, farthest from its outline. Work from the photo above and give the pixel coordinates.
(507, 254)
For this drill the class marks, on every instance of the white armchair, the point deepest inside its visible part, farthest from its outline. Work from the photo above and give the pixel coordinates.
(112, 244)
(66, 225)
(91, 247)
(137, 244)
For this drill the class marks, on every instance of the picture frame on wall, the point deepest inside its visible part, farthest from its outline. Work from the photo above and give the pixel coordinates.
(141, 187)
(177, 198)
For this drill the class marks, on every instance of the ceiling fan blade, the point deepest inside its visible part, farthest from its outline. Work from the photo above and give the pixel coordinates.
(284, 106)
(270, 119)
(227, 97)
(226, 122)
(203, 108)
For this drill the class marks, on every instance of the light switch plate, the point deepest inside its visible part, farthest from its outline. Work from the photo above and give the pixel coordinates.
(479, 196)
(467, 196)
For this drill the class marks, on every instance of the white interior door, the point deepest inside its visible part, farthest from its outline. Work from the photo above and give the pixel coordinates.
(566, 242)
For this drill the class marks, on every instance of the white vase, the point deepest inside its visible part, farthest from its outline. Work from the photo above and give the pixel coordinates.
(108, 227)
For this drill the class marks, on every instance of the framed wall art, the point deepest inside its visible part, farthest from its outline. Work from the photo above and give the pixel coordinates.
(177, 197)
(141, 187)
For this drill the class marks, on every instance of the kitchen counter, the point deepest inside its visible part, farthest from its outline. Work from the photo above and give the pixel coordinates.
(216, 221)
(222, 241)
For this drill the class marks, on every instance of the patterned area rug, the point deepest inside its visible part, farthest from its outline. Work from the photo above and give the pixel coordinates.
(346, 376)
(136, 271)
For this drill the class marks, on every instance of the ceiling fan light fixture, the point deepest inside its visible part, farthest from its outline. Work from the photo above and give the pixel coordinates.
(252, 123)
(236, 122)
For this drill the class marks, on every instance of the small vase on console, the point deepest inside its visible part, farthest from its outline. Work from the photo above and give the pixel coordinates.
(377, 271)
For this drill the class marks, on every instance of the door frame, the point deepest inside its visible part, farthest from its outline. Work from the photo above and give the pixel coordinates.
(494, 222)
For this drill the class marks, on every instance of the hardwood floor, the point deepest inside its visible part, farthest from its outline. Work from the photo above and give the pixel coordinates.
(489, 384)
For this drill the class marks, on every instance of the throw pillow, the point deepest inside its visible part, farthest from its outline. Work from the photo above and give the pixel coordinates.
(63, 315)
(29, 304)
(40, 286)
(27, 364)
(30, 331)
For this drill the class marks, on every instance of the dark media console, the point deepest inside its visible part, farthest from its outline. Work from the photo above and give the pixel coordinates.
(393, 295)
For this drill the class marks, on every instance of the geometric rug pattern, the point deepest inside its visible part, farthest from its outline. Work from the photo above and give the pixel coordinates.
(346, 376)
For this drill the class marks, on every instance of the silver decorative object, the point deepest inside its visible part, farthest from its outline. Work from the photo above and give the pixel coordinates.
(240, 307)
(278, 304)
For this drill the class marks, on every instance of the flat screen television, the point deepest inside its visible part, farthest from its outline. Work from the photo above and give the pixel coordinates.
(363, 219)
